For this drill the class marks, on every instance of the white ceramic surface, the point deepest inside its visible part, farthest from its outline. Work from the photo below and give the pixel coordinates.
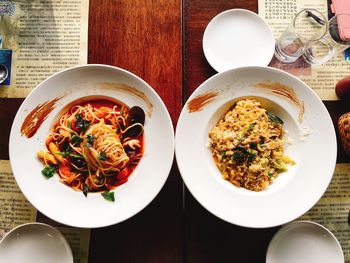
(60, 202)
(313, 147)
(236, 38)
(35, 243)
(304, 242)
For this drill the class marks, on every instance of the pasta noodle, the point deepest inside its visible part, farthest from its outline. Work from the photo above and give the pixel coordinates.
(247, 145)
(94, 146)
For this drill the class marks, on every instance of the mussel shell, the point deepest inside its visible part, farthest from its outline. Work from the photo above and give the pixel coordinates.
(136, 115)
(134, 131)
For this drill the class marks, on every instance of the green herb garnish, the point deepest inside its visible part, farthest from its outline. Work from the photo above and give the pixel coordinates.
(223, 154)
(238, 157)
(66, 147)
(108, 195)
(90, 140)
(68, 154)
(241, 154)
(81, 123)
(76, 156)
(273, 118)
(243, 133)
(49, 171)
(280, 165)
(270, 174)
(76, 139)
(251, 126)
(241, 149)
(253, 146)
(102, 156)
(64, 154)
(85, 189)
(251, 157)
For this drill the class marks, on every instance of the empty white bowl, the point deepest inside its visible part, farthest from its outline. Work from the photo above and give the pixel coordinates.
(237, 38)
(35, 243)
(304, 242)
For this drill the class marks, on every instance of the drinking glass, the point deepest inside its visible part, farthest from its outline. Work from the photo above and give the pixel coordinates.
(308, 25)
(333, 42)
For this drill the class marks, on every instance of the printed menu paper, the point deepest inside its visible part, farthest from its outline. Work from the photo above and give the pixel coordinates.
(332, 210)
(44, 37)
(321, 78)
(16, 210)
(78, 240)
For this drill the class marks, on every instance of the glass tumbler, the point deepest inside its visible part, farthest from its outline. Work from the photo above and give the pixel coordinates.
(308, 25)
(333, 42)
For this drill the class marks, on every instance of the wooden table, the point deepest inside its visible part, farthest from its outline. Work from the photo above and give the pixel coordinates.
(161, 41)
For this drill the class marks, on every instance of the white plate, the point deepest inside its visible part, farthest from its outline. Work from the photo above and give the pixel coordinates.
(35, 243)
(60, 202)
(237, 38)
(313, 147)
(304, 242)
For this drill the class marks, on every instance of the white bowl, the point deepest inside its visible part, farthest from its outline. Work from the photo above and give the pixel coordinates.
(304, 242)
(313, 147)
(237, 38)
(35, 242)
(58, 201)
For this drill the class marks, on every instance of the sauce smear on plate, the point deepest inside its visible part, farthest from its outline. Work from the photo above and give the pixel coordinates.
(36, 117)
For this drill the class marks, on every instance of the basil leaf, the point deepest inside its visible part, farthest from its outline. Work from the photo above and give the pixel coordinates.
(81, 123)
(90, 140)
(85, 190)
(273, 118)
(108, 195)
(76, 139)
(49, 171)
(66, 147)
(102, 156)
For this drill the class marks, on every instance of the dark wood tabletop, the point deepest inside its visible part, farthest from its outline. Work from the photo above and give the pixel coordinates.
(161, 41)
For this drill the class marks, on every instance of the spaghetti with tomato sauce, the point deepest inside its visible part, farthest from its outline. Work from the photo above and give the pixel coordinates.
(95, 145)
